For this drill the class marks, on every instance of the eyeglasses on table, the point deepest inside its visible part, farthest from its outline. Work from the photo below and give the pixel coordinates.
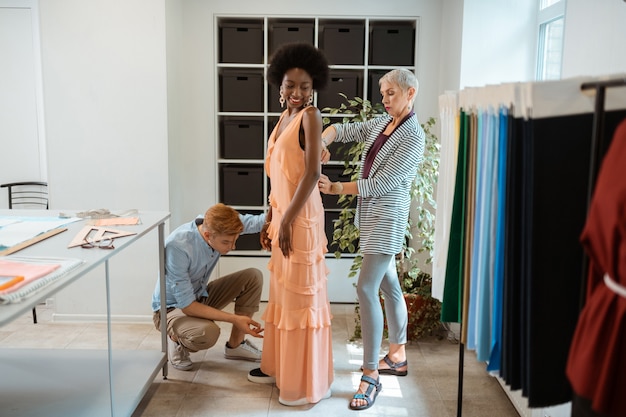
(106, 243)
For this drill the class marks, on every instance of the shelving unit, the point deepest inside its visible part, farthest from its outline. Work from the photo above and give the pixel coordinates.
(359, 50)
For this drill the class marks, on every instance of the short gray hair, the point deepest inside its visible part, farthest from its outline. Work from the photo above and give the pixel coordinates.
(403, 78)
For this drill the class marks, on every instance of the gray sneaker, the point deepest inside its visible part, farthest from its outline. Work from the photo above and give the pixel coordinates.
(245, 351)
(178, 355)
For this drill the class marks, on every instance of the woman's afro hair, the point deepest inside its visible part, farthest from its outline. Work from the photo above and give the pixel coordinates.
(299, 55)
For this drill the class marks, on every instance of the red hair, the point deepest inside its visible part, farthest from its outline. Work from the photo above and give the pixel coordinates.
(223, 220)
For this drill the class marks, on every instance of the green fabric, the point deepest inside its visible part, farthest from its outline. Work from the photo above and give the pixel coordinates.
(453, 286)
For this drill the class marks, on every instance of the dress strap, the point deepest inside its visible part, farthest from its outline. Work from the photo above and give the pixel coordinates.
(614, 286)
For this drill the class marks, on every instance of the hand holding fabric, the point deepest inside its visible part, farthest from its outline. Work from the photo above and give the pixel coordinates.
(325, 155)
(247, 325)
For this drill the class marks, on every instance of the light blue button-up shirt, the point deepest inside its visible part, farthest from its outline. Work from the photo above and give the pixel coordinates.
(189, 261)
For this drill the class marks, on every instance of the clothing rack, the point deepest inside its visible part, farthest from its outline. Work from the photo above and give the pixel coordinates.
(599, 148)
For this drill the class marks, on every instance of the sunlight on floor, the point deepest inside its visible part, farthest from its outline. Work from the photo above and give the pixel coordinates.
(219, 387)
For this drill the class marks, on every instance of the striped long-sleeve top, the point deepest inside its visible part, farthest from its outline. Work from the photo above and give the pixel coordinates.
(384, 200)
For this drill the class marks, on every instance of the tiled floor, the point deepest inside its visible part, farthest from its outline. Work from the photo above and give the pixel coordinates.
(219, 387)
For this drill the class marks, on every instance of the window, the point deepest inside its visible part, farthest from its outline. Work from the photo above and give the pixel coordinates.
(544, 4)
(551, 21)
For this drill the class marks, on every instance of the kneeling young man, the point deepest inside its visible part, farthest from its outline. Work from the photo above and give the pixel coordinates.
(193, 303)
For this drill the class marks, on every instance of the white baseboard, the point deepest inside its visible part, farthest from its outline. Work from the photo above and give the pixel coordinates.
(101, 318)
(521, 405)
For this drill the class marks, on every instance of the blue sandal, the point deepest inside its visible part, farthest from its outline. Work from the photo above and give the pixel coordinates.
(393, 368)
(368, 396)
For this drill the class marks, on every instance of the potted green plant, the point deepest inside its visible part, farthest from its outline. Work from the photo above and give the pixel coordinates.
(417, 252)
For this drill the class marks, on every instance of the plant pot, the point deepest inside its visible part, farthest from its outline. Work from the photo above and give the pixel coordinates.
(414, 306)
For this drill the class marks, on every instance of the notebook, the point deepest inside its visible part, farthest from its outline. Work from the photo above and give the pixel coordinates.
(37, 273)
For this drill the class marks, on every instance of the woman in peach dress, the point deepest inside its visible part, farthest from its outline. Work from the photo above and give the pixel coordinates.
(297, 347)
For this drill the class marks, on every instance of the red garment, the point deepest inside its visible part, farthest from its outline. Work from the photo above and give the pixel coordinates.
(596, 365)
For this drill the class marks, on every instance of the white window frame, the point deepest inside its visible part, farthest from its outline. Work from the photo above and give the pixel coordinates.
(544, 17)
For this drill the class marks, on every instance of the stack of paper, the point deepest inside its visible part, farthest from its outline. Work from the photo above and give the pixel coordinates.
(22, 276)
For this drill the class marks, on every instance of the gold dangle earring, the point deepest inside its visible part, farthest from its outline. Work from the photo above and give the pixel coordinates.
(309, 101)
(281, 100)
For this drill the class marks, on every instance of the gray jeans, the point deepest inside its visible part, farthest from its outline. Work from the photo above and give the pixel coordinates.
(378, 272)
(243, 287)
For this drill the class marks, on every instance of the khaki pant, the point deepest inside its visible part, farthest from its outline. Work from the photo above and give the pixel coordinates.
(243, 287)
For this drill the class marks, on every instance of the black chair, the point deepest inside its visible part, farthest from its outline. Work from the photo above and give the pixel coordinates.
(28, 195)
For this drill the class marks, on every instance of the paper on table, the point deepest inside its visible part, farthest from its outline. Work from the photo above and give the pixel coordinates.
(28, 227)
(33, 267)
(116, 221)
(29, 271)
(5, 221)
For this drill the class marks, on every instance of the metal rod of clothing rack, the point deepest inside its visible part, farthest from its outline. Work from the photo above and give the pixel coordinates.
(599, 146)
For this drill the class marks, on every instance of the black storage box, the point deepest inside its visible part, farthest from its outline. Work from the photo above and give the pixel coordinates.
(392, 45)
(248, 241)
(242, 139)
(346, 82)
(373, 87)
(344, 44)
(286, 32)
(241, 91)
(273, 97)
(241, 42)
(241, 185)
(272, 122)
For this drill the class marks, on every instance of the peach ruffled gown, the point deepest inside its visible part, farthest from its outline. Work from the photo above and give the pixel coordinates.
(297, 346)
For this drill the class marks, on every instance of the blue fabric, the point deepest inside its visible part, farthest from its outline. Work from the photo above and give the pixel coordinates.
(499, 251)
(485, 277)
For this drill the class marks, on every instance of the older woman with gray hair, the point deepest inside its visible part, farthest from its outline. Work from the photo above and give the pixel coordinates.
(394, 146)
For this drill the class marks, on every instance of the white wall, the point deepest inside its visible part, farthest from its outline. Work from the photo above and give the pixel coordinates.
(22, 139)
(595, 38)
(104, 83)
(192, 134)
(449, 66)
(499, 41)
(175, 116)
(105, 100)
